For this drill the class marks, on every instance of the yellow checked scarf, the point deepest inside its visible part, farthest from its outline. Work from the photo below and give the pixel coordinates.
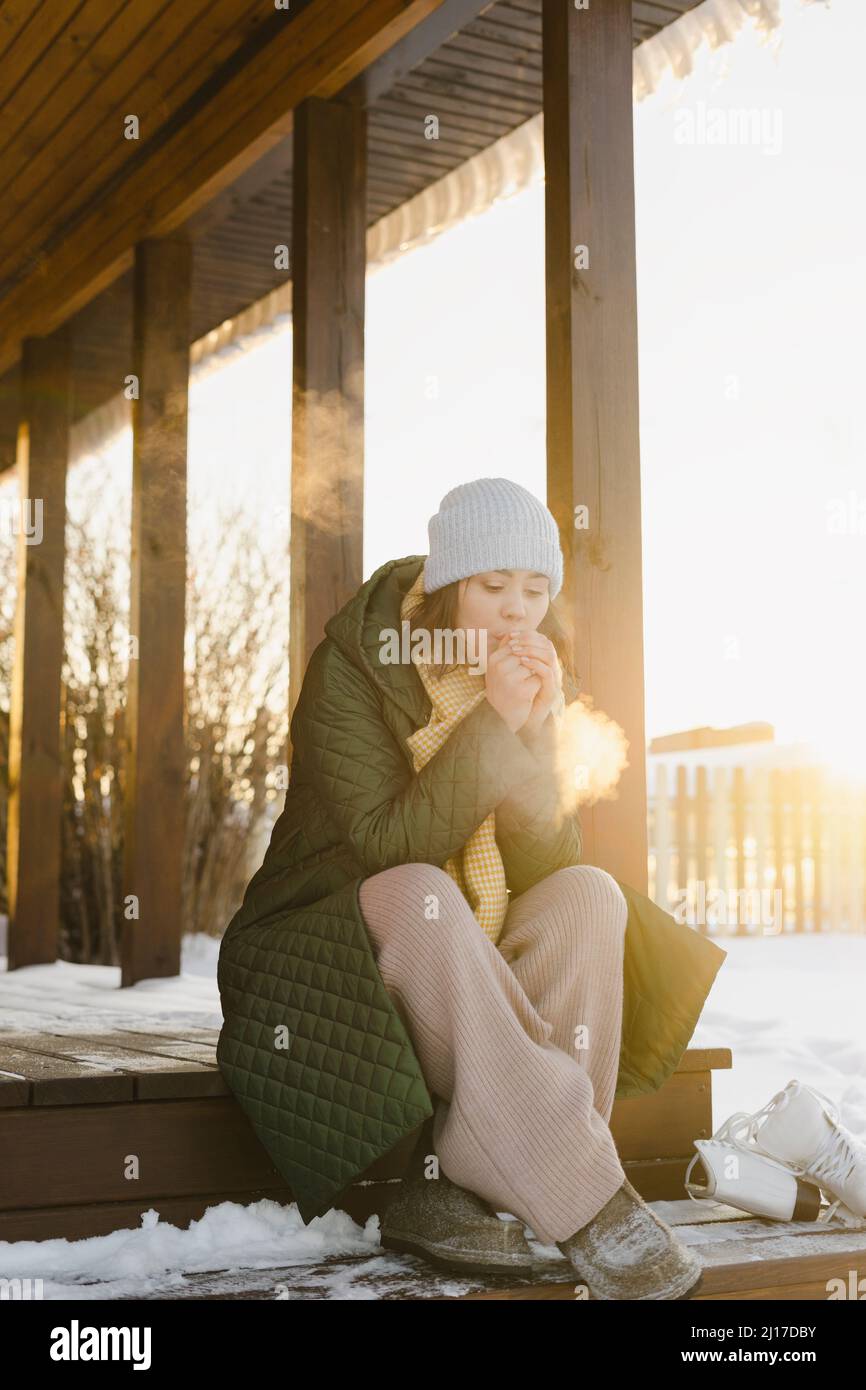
(477, 869)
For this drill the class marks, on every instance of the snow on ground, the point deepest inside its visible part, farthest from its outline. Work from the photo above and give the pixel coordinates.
(787, 1006)
(88, 998)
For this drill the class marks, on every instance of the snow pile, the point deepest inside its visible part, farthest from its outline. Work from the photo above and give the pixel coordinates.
(158, 1258)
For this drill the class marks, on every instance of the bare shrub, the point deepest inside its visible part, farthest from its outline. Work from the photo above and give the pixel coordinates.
(236, 696)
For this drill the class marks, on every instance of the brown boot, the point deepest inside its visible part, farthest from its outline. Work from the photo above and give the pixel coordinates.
(449, 1225)
(454, 1229)
(627, 1252)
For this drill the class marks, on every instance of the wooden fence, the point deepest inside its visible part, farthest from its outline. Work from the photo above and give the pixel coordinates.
(758, 850)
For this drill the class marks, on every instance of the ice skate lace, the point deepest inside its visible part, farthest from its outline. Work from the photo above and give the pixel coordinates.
(832, 1164)
(696, 1197)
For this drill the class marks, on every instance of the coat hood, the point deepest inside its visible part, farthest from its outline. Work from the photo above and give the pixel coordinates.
(358, 630)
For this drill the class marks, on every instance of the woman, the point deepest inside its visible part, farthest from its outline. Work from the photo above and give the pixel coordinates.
(422, 943)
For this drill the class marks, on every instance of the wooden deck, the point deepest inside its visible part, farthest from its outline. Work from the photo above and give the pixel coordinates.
(75, 1107)
(745, 1259)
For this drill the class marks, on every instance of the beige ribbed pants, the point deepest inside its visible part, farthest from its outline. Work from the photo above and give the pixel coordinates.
(519, 1042)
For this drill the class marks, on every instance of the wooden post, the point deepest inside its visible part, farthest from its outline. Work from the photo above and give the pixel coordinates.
(154, 812)
(817, 819)
(739, 799)
(662, 822)
(721, 823)
(328, 272)
(35, 761)
(701, 816)
(797, 799)
(683, 821)
(777, 802)
(592, 388)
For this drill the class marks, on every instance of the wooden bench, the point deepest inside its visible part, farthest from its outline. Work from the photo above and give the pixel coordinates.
(73, 1106)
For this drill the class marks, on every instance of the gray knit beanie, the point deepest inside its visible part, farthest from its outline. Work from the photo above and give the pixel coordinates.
(491, 524)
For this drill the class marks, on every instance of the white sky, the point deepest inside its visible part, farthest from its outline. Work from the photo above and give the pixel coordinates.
(752, 294)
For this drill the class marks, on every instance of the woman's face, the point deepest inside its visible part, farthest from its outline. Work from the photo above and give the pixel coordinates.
(499, 601)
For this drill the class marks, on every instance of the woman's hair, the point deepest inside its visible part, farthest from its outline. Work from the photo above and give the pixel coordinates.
(439, 611)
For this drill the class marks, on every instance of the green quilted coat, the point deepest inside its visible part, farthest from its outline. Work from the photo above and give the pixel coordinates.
(311, 1044)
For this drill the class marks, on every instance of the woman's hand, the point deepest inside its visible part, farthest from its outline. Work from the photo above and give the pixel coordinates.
(511, 688)
(538, 655)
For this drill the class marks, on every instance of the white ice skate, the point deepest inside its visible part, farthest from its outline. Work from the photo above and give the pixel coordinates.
(750, 1182)
(799, 1129)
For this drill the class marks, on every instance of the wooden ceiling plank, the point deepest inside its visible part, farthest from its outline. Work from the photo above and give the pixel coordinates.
(427, 165)
(526, 7)
(660, 14)
(408, 142)
(272, 228)
(470, 117)
(212, 277)
(508, 71)
(277, 195)
(253, 221)
(506, 17)
(400, 189)
(66, 113)
(45, 89)
(253, 113)
(254, 217)
(522, 92)
(475, 45)
(32, 40)
(497, 107)
(237, 235)
(235, 256)
(381, 208)
(443, 78)
(270, 231)
(415, 172)
(501, 111)
(497, 32)
(245, 242)
(217, 309)
(14, 15)
(97, 122)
